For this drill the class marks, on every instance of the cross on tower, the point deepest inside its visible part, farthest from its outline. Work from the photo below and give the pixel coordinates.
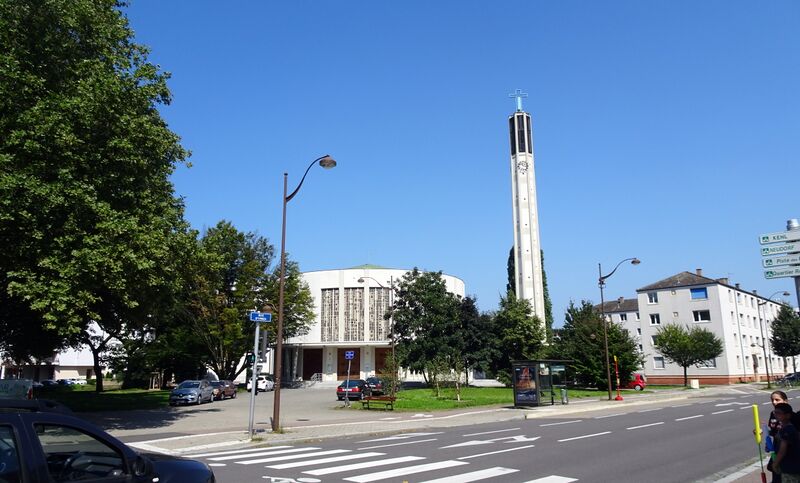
(519, 95)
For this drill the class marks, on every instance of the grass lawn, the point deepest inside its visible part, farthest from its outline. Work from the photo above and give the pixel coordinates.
(84, 399)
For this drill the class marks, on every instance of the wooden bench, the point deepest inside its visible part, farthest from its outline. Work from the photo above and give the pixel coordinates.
(386, 401)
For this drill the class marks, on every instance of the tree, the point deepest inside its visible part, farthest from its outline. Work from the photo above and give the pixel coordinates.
(687, 346)
(518, 335)
(785, 339)
(581, 341)
(87, 211)
(426, 323)
(511, 287)
(475, 334)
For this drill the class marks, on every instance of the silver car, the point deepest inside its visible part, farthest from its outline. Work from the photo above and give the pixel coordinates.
(192, 392)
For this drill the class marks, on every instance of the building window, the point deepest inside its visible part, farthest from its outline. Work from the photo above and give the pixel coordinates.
(655, 319)
(654, 339)
(652, 297)
(658, 362)
(637, 316)
(623, 317)
(378, 306)
(709, 364)
(329, 315)
(640, 348)
(638, 331)
(702, 315)
(353, 314)
(699, 293)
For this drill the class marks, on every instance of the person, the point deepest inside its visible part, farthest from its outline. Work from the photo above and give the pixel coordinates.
(773, 427)
(787, 460)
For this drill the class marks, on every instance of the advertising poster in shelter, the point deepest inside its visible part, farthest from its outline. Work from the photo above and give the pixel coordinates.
(525, 391)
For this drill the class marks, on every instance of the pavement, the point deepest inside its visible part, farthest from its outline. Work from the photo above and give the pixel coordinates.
(309, 415)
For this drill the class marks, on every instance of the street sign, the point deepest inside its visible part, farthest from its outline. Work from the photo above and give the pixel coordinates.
(781, 236)
(782, 272)
(349, 355)
(780, 261)
(780, 249)
(260, 317)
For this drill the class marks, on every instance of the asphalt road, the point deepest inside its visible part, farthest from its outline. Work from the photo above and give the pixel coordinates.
(662, 442)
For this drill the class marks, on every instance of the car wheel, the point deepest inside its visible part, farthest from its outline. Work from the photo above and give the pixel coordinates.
(234, 395)
(637, 388)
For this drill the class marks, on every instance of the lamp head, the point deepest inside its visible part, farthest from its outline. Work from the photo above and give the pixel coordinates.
(327, 162)
(635, 261)
(786, 294)
(360, 280)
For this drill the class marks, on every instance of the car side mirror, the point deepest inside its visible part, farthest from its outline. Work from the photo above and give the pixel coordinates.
(141, 466)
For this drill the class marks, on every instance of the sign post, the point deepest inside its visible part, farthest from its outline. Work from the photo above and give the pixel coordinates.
(783, 248)
(349, 355)
(258, 318)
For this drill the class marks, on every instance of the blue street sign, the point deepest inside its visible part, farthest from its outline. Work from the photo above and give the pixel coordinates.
(260, 317)
(349, 355)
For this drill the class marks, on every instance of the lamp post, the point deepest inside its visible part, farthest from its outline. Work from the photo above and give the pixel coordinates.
(601, 282)
(326, 162)
(761, 324)
(391, 321)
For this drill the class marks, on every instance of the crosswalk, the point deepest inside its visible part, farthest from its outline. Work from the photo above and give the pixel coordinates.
(364, 466)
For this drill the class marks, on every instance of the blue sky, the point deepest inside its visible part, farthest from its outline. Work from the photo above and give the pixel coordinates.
(662, 130)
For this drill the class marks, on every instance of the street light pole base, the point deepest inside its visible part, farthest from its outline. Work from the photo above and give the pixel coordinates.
(618, 398)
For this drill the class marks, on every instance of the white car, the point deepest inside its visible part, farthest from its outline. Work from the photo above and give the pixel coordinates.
(80, 382)
(264, 383)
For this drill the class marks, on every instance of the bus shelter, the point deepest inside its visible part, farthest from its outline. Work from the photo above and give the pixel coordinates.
(537, 382)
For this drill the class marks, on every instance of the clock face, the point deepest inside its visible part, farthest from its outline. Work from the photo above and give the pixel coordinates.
(522, 166)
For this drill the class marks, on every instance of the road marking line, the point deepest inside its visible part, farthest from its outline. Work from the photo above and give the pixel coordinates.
(689, 417)
(262, 453)
(644, 426)
(188, 436)
(217, 464)
(475, 475)
(398, 444)
(360, 466)
(584, 436)
(563, 422)
(408, 470)
(609, 416)
(681, 406)
(724, 411)
(292, 457)
(320, 461)
(553, 479)
(747, 407)
(649, 410)
(765, 403)
(400, 436)
(491, 432)
(234, 451)
(494, 452)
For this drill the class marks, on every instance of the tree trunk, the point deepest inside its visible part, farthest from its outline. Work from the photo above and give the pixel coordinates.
(98, 371)
(685, 376)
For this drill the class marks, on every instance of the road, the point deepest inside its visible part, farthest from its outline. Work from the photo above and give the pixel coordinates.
(659, 442)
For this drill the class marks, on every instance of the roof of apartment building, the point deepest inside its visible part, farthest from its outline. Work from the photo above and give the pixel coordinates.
(619, 305)
(689, 279)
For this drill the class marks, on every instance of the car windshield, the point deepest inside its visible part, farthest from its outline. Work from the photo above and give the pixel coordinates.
(189, 385)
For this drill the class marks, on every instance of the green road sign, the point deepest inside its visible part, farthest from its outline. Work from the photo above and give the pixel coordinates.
(781, 261)
(781, 249)
(782, 272)
(781, 236)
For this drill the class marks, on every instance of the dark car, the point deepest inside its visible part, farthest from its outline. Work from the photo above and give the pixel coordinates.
(353, 389)
(223, 389)
(42, 441)
(376, 386)
(191, 392)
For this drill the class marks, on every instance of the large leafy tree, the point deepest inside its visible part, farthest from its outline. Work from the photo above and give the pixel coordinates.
(518, 335)
(426, 323)
(475, 335)
(687, 346)
(581, 341)
(88, 218)
(511, 287)
(785, 338)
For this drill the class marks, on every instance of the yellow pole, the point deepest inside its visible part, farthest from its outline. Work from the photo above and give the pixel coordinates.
(757, 434)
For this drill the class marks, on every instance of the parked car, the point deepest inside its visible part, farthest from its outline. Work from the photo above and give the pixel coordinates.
(49, 383)
(376, 386)
(66, 382)
(42, 441)
(263, 383)
(191, 392)
(638, 382)
(353, 389)
(223, 389)
(80, 382)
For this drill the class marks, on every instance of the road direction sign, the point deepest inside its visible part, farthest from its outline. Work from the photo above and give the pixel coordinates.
(781, 236)
(782, 272)
(781, 249)
(260, 317)
(781, 261)
(349, 355)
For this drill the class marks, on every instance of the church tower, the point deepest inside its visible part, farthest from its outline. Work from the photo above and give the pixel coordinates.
(527, 246)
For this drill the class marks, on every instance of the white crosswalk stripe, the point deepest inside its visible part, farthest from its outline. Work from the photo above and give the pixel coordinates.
(361, 466)
(234, 451)
(553, 479)
(320, 461)
(263, 453)
(408, 470)
(475, 475)
(292, 457)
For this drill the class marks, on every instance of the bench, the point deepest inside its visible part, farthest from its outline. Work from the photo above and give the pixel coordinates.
(386, 401)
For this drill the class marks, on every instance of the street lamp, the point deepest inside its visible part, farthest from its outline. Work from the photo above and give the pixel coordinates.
(391, 321)
(326, 162)
(601, 282)
(761, 324)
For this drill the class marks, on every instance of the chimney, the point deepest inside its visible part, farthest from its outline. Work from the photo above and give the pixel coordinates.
(698, 272)
(737, 286)
(723, 280)
(755, 292)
